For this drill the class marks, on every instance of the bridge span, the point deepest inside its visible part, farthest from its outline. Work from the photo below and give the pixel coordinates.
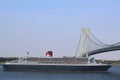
(90, 45)
(106, 49)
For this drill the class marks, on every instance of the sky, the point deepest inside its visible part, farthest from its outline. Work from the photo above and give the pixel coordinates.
(37, 26)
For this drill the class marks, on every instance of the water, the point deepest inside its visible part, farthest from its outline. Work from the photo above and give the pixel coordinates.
(112, 74)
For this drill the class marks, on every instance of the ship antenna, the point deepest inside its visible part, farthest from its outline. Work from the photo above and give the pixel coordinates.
(27, 57)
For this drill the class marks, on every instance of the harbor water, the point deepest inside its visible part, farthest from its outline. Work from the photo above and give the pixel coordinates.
(112, 74)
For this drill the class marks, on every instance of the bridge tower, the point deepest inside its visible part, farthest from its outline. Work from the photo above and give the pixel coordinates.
(84, 43)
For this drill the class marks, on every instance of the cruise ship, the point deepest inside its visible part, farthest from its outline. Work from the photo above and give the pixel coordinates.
(64, 64)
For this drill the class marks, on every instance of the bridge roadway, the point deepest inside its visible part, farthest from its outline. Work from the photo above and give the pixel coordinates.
(106, 49)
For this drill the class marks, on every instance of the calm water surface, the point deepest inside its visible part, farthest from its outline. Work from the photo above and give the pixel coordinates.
(112, 74)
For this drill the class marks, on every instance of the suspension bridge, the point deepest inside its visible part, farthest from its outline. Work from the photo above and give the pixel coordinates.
(90, 45)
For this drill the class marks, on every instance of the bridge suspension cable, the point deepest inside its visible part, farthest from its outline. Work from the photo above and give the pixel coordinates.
(103, 42)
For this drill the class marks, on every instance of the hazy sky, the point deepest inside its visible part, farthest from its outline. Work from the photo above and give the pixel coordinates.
(36, 26)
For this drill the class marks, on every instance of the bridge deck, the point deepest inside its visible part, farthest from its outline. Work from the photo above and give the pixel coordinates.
(106, 49)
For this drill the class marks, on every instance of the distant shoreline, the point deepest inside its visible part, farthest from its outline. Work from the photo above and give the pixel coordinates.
(113, 62)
